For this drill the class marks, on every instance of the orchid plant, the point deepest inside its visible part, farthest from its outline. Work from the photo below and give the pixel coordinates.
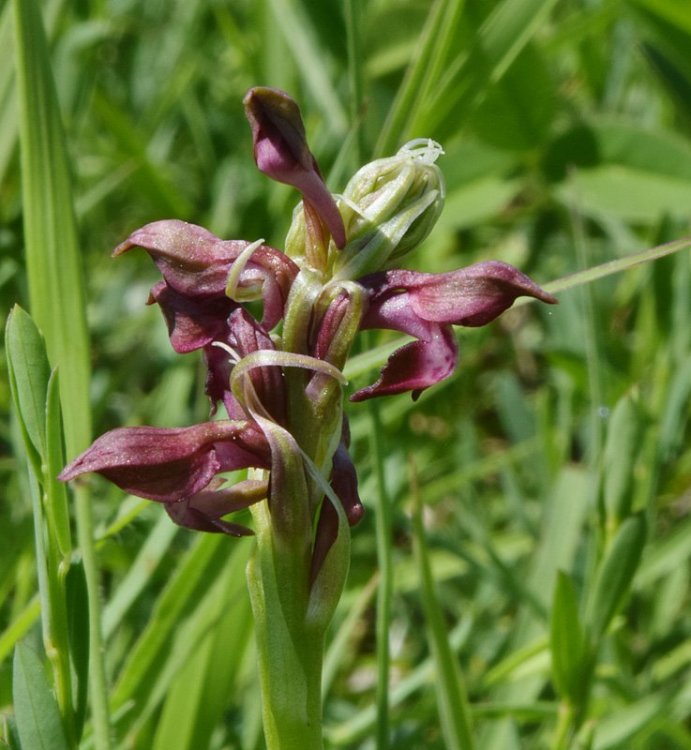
(280, 380)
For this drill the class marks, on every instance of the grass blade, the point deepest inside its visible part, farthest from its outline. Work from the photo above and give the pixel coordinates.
(454, 710)
(56, 289)
(615, 575)
(38, 718)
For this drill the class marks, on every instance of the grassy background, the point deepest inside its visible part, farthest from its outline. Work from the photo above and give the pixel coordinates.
(560, 445)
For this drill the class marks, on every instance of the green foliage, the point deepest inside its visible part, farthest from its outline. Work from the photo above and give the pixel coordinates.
(549, 579)
(35, 707)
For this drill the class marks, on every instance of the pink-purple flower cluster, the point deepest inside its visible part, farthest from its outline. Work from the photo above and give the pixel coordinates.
(279, 377)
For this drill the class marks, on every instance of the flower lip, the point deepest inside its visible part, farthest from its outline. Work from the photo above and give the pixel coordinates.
(170, 464)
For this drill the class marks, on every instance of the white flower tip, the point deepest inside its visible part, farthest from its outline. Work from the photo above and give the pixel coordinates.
(424, 149)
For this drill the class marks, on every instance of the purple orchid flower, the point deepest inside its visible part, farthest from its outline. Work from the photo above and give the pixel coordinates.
(279, 376)
(284, 418)
(425, 305)
(177, 467)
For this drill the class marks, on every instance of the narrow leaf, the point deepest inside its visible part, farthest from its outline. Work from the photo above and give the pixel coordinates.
(615, 575)
(52, 257)
(78, 630)
(36, 710)
(57, 509)
(567, 641)
(56, 290)
(29, 373)
(621, 451)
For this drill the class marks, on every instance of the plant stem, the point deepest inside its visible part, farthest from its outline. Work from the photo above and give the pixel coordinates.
(290, 652)
(563, 729)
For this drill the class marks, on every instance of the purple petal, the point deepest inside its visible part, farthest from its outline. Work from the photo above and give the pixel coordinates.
(193, 322)
(415, 366)
(192, 260)
(472, 296)
(423, 305)
(170, 464)
(345, 485)
(217, 386)
(204, 510)
(247, 336)
(196, 263)
(190, 518)
(281, 152)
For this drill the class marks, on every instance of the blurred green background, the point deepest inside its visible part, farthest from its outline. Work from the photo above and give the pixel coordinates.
(566, 127)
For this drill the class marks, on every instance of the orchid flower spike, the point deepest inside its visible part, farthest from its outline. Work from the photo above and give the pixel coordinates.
(279, 375)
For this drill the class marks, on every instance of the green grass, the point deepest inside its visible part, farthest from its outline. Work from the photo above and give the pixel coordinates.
(537, 538)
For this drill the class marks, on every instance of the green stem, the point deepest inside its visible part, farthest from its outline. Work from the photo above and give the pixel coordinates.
(98, 690)
(385, 592)
(564, 725)
(53, 624)
(290, 653)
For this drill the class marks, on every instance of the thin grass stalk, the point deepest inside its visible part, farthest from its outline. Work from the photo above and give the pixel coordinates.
(56, 291)
(383, 525)
(396, 126)
(440, 62)
(454, 710)
(592, 350)
(619, 265)
(353, 17)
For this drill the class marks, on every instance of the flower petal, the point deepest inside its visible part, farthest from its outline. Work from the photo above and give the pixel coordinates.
(192, 260)
(345, 485)
(472, 296)
(203, 511)
(190, 518)
(247, 336)
(424, 305)
(196, 263)
(193, 322)
(415, 366)
(281, 152)
(170, 464)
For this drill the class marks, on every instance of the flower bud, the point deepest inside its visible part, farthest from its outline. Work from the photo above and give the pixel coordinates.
(389, 207)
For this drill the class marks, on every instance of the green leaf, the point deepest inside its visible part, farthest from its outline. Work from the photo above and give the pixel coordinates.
(29, 373)
(53, 263)
(629, 172)
(57, 508)
(36, 710)
(77, 606)
(517, 112)
(195, 682)
(615, 575)
(676, 12)
(622, 445)
(410, 93)
(567, 642)
(184, 589)
(626, 193)
(56, 293)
